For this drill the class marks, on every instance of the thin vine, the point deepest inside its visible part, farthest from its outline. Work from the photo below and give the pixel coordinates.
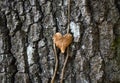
(56, 64)
(66, 59)
(68, 27)
(55, 52)
(64, 65)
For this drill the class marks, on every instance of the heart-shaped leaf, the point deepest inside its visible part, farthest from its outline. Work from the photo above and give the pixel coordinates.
(62, 42)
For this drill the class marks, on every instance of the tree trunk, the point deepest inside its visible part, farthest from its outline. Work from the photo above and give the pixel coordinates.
(26, 45)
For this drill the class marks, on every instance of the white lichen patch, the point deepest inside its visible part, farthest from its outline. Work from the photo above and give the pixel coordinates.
(30, 51)
(83, 46)
(65, 2)
(41, 43)
(75, 29)
(1, 45)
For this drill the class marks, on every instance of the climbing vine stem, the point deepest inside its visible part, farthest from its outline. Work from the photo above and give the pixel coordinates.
(66, 59)
(68, 27)
(55, 52)
(56, 64)
(64, 65)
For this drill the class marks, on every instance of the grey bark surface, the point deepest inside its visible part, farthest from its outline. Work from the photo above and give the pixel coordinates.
(26, 46)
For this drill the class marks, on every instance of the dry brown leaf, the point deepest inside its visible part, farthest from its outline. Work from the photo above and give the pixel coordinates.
(62, 42)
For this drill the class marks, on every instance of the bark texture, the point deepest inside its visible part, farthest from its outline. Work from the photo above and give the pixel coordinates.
(26, 46)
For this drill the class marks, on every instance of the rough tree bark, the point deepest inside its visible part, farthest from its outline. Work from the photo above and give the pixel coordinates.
(26, 47)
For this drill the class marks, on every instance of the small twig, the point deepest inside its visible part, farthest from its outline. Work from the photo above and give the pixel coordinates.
(64, 65)
(56, 64)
